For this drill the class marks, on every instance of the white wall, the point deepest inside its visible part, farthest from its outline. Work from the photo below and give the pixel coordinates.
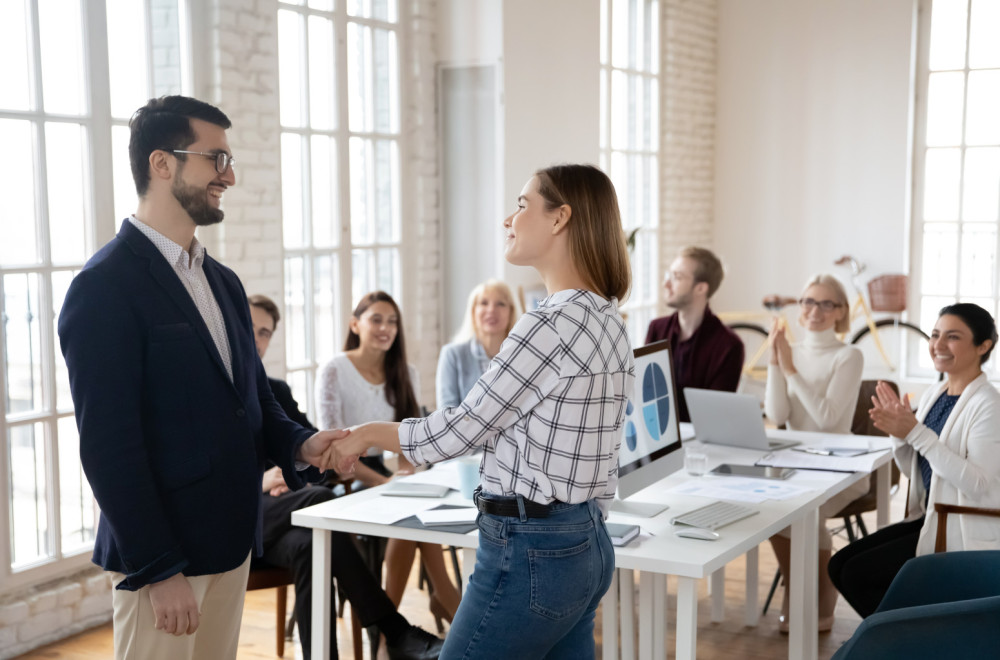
(813, 128)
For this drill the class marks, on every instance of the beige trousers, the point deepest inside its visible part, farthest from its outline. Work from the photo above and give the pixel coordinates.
(220, 602)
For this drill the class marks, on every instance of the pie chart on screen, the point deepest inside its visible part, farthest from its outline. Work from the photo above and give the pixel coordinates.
(631, 434)
(655, 401)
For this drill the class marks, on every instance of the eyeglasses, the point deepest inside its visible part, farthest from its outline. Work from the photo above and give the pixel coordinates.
(824, 305)
(221, 158)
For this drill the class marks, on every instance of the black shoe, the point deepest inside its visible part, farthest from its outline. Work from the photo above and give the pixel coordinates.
(415, 644)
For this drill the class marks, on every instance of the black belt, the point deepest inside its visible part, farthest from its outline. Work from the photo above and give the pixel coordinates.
(508, 507)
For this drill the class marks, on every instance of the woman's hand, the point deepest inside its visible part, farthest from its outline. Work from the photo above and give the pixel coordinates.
(781, 350)
(890, 414)
(343, 454)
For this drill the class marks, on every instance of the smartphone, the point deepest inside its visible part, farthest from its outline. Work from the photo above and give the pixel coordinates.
(758, 471)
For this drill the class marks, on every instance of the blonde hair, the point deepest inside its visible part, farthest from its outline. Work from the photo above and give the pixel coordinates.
(596, 240)
(839, 295)
(469, 328)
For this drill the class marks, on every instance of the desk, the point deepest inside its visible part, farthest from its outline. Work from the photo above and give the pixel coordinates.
(662, 555)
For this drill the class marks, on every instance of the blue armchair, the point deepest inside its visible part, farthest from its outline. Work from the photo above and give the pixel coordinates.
(944, 605)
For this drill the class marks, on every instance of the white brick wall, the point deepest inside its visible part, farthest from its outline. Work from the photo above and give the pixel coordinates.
(52, 611)
(687, 124)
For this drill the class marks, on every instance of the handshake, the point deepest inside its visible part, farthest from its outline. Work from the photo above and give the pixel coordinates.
(340, 449)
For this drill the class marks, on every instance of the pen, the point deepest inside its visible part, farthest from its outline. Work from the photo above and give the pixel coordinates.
(813, 450)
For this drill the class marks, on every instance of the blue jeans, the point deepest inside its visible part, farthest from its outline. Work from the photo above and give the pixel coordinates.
(535, 587)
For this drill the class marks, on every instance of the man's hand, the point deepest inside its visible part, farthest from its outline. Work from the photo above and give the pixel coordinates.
(344, 454)
(314, 451)
(274, 482)
(174, 605)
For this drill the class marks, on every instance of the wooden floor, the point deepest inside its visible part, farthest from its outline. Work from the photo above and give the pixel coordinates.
(716, 641)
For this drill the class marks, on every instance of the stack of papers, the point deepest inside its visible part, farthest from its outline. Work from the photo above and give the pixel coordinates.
(740, 489)
(448, 516)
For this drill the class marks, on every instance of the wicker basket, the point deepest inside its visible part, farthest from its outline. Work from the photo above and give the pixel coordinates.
(888, 293)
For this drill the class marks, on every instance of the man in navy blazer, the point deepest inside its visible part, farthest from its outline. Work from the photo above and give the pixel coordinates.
(175, 414)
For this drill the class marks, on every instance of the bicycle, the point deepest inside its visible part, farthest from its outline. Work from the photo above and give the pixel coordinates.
(886, 343)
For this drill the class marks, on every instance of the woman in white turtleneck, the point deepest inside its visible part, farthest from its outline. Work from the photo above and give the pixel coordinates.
(814, 386)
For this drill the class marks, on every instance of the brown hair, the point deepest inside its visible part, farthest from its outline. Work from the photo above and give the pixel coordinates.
(398, 388)
(839, 295)
(266, 304)
(469, 329)
(708, 268)
(596, 239)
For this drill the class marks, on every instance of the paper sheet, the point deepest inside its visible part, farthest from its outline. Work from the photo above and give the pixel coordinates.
(797, 459)
(386, 510)
(443, 474)
(448, 516)
(740, 489)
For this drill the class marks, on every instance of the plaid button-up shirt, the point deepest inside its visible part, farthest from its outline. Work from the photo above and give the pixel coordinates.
(548, 411)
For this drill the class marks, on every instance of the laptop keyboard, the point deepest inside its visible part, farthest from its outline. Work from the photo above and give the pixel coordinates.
(714, 515)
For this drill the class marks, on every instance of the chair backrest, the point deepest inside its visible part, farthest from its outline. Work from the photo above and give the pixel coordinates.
(942, 510)
(862, 423)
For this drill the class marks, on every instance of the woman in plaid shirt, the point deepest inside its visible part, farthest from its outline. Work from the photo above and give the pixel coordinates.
(548, 414)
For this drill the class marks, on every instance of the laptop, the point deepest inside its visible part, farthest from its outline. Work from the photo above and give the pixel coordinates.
(728, 418)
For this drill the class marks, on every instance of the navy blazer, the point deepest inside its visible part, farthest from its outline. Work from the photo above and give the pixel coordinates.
(174, 450)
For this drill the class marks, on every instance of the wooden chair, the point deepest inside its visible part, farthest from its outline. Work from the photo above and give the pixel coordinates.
(265, 576)
(942, 510)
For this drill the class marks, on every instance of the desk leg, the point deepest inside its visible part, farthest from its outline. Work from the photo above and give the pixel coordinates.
(883, 478)
(660, 616)
(687, 618)
(626, 587)
(609, 621)
(646, 614)
(322, 594)
(717, 582)
(468, 564)
(802, 640)
(751, 615)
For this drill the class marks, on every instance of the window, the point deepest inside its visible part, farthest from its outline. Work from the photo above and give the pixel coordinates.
(957, 156)
(64, 108)
(630, 140)
(340, 170)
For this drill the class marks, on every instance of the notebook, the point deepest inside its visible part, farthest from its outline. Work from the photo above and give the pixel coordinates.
(728, 418)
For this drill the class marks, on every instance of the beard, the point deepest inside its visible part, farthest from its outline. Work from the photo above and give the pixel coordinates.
(194, 200)
(681, 301)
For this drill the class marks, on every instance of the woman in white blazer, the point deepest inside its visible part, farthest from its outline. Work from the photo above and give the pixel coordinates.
(949, 450)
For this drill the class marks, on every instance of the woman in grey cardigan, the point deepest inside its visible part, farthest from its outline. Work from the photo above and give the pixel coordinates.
(491, 316)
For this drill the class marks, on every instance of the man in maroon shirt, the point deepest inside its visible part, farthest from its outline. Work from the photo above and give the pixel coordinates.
(706, 354)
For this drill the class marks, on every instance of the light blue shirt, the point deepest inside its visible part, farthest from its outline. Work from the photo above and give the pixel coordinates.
(459, 367)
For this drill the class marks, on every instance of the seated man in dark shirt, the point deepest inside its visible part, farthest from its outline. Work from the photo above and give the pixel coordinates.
(290, 547)
(705, 353)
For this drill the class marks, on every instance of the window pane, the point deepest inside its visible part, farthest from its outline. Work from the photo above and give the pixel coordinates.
(127, 53)
(291, 76)
(621, 32)
(653, 25)
(17, 188)
(29, 515)
(326, 315)
(982, 185)
(168, 49)
(362, 274)
(619, 175)
(387, 191)
(941, 184)
(981, 125)
(321, 68)
(77, 509)
(651, 118)
(14, 55)
(604, 35)
(948, 20)
(605, 100)
(325, 198)
(125, 196)
(62, 56)
(295, 313)
(940, 260)
(383, 10)
(929, 308)
(387, 272)
(979, 246)
(22, 336)
(362, 229)
(653, 193)
(984, 47)
(69, 185)
(292, 192)
(60, 284)
(945, 94)
(372, 79)
(619, 110)
(301, 384)
(322, 5)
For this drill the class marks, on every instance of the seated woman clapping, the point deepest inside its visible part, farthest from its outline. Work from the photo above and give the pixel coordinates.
(813, 386)
(950, 451)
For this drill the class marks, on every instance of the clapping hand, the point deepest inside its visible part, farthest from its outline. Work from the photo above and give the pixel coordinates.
(781, 350)
(889, 413)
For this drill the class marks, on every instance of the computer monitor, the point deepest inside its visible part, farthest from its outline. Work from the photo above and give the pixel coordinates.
(651, 442)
